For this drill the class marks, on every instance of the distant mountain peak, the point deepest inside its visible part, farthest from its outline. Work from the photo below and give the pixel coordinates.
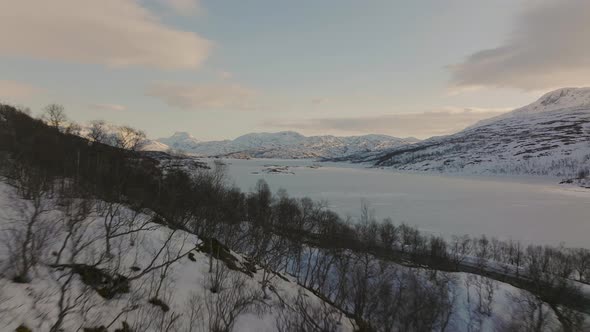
(560, 99)
(182, 135)
(559, 95)
(287, 133)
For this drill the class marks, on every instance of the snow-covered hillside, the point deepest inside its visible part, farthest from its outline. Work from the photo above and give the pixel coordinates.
(149, 277)
(286, 144)
(152, 278)
(548, 137)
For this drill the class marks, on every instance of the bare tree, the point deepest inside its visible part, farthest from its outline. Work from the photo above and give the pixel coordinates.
(529, 314)
(164, 256)
(516, 256)
(118, 221)
(388, 234)
(270, 255)
(426, 301)
(480, 298)
(582, 264)
(218, 274)
(73, 129)
(305, 315)
(482, 251)
(129, 138)
(460, 248)
(75, 295)
(234, 299)
(97, 131)
(362, 288)
(27, 236)
(194, 314)
(54, 115)
(474, 317)
(154, 318)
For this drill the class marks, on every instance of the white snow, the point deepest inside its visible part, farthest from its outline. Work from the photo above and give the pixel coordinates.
(34, 304)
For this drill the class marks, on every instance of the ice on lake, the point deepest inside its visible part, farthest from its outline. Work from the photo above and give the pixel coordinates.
(529, 209)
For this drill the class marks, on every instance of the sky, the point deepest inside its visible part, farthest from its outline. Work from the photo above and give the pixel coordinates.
(219, 68)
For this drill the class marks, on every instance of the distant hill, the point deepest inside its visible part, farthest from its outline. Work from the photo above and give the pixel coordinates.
(285, 144)
(548, 137)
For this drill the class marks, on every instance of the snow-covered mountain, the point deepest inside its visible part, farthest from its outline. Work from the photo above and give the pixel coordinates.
(180, 141)
(548, 137)
(285, 144)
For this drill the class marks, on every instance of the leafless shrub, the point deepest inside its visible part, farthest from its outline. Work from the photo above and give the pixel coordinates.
(194, 314)
(234, 298)
(484, 289)
(75, 296)
(27, 235)
(479, 300)
(582, 264)
(152, 318)
(120, 222)
(460, 248)
(97, 132)
(304, 315)
(528, 314)
(217, 277)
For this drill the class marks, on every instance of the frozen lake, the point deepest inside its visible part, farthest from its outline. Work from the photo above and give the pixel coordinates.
(528, 209)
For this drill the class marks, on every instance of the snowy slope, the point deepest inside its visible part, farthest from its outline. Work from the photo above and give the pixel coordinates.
(186, 293)
(187, 302)
(151, 145)
(548, 137)
(286, 144)
(559, 99)
(180, 141)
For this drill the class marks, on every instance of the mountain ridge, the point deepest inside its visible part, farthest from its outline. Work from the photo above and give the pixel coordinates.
(283, 144)
(550, 137)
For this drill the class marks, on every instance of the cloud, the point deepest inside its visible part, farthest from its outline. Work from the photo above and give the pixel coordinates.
(317, 101)
(218, 96)
(115, 33)
(17, 90)
(108, 107)
(224, 75)
(182, 7)
(422, 125)
(548, 48)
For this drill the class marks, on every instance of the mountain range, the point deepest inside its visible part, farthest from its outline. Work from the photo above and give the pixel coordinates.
(284, 145)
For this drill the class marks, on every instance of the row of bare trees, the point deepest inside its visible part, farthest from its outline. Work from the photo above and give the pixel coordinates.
(124, 137)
